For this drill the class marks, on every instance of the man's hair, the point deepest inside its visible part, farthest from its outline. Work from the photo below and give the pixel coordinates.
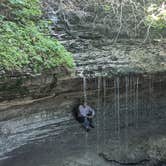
(82, 101)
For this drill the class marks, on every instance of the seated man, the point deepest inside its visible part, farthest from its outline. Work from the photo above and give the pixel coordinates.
(85, 115)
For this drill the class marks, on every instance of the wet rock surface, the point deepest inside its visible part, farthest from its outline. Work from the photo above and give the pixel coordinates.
(101, 44)
(124, 80)
(27, 85)
(129, 126)
(122, 58)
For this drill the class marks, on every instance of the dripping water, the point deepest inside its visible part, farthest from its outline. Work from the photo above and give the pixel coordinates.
(117, 113)
(150, 95)
(104, 111)
(126, 110)
(131, 100)
(84, 88)
(85, 100)
(118, 108)
(98, 110)
(115, 106)
(134, 101)
(137, 98)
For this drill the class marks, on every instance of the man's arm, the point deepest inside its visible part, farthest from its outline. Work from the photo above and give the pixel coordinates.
(81, 111)
(92, 111)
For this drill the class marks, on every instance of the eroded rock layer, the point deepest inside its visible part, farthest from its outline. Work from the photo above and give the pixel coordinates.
(119, 70)
(129, 125)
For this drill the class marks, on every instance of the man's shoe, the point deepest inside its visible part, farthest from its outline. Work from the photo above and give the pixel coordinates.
(91, 125)
(87, 129)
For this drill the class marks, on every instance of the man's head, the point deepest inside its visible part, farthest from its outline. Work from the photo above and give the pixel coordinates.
(85, 104)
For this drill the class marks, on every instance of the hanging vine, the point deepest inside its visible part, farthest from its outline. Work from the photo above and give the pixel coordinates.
(129, 18)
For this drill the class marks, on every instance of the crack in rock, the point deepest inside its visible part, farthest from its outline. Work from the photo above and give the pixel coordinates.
(122, 163)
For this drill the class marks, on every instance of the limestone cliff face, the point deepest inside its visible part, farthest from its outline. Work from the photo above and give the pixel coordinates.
(130, 123)
(122, 58)
(24, 85)
(124, 80)
(96, 19)
(90, 30)
(107, 36)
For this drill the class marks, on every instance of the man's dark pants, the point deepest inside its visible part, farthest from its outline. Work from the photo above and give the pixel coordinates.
(85, 121)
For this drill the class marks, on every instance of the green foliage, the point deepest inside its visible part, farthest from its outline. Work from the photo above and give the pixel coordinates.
(24, 10)
(24, 41)
(107, 7)
(156, 16)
